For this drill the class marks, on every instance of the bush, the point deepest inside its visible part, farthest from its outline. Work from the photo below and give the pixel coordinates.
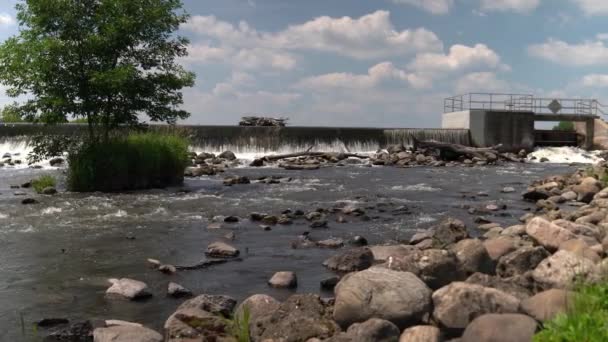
(136, 161)
(564, 126)
(43, 182)
(587, 319)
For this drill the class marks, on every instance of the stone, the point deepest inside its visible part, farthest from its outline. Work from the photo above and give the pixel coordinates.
(329, 283)
(587, 189)
(581, 249)
(534, 195)
(299, 318)
(382, 253)
(126, 333)
(167, 269)
(421, 333)
(235, 180)
(436, 267)
(488, 226)
(27, 201)
(457, 304)
(399, 297)
(128, 288)
(177, 291)
(358, 241)
(284, 280)
(76, 332)
(49, 190)
(507, 190)
(228, 155)
(231, 219)
(563, 268)
(499, 246)
(548, 234)
(521, 260)
(352, 260)
(216, 305)
(331, 243)
(194, 324)
(270, 220)
(56, 161)
(581, 229)
(546, 305)
(593, 218)
(493, 233)
(257, 307)
(448, 232)
(519, 286)
(516, 230)
(569, 195)
(500, 328)
(372, 330)
(473, 256)
(51, 322)
(221, 250)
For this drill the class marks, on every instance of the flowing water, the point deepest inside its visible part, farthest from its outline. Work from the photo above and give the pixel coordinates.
(56, 256)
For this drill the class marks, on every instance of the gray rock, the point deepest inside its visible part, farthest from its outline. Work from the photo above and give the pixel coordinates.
(177, 291)
(500, 328)
(257, 306)
(521, 261)
(448, 232)
(563, 268)
(195, 324)
(228, 155)
(548, 234)
(331, 243)
(128, 288)
(399, 297)
(499, 246)
(421, 333)
(546, 305)
(284, 280)
(126, 333)
(221, 250)
(356, 259)
(473, 256)
(382, 253)
(372, 330)
(49, 191)
(217, 305)
(520, 287)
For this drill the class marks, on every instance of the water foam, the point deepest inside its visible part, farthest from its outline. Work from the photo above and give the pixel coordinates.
(416, 187)
(565, 155)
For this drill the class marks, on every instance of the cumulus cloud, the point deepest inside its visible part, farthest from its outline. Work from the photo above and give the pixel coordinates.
(595, 80)
(431, 6)
(460, 57)
(593, 7)
(588, 53)
(481, 81)
(520, 6)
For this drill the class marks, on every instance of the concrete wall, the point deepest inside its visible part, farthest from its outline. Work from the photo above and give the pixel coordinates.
(600, 133)
(513, 130)
(454, 120)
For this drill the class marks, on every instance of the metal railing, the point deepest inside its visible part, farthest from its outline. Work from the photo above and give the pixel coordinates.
(524, 103)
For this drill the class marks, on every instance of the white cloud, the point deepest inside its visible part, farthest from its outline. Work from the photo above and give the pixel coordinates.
(6, 20)
(595, 80)
(520, 6)
(481, 81)
(460, 57)
(588, 53)
(368, 37)
(431, 6)
(602, 36)
(593, 7)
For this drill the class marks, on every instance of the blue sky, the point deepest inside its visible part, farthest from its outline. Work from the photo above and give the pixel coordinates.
(382, 63)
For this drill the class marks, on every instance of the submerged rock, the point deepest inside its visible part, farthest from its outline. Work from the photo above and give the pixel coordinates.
(222, 250)
(177, 291)
(356, 259)
(287, 280)
(128, 288)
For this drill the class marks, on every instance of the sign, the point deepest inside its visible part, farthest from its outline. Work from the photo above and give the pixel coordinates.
(555, 106)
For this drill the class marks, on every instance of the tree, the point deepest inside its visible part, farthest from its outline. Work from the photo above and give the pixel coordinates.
(108, 61)
(10, 114)
(564, 126)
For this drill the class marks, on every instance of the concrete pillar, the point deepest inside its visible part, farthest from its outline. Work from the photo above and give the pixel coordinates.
(589, 133)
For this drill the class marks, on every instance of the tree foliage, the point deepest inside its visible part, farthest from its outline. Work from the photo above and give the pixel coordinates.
(108, 61)
(564, 126)
(10, 114)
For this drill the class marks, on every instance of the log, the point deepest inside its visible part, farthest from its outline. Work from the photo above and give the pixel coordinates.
(206, 264)
(456, 149)
(276, 157)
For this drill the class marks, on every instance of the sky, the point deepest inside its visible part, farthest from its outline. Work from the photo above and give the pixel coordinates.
(381, 63)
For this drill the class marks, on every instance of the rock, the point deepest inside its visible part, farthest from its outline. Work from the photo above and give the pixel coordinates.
(448, 232)
(76, 332)
(516, 230)
(521, 260)
(488, 226)
(507, 190)
(216, 305)
(51, 322)
(499, 246)
(399, 297)
(56, 161)
(546, 305)
(270, 220)
(473, 256)
(587, 189)
(382, 253)
(231, 219)
(26, 201)
(128, 288)
(153, 263)
(331, 243)
(493, 233)
(200, 171)
(299, 318)
(352, 260)
(570, 195)
(548, 234)
(593, 218)
(167, 269)
(205, 155)
(228, 155)
(193, 324)
(319, 224)
(284, 280)
(518, 286)
(329, 283)
(214, 225)
(358, 241)
(221, 250)
(235, 180)
(372, 330)
(126, 333)
(500, 328)
(421, 333)
(257, 306)
(580, 248)
(421, 236)
(563, 268)
(177, 291)
(457, 304)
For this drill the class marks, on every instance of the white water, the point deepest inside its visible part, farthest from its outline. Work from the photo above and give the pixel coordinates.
(565, 155)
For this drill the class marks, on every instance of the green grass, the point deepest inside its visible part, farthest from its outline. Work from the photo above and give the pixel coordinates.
(586, 321)
(43, 182)
(240, 325)
(136, 161)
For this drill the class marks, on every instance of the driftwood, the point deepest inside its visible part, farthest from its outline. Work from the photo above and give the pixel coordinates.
(206, 264)
(457, 150)
(276, 157)
(262, 121)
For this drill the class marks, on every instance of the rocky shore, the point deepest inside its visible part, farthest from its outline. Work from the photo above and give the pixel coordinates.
(449, 283)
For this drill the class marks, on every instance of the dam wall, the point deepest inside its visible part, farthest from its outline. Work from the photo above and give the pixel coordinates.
(240, 139)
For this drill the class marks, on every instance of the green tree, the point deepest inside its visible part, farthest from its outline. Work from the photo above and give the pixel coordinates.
(108, 61)
(10, 114)
(564, 126)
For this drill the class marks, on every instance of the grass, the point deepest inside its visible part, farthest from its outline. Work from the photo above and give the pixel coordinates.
(136, 161)
(43, 182)
(586, 321)
(240, 325)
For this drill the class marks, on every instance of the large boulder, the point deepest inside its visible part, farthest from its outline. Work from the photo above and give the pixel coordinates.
(563, 269)
(356, 259)
(520, 287)
(299, 318)
(257, 307)
(548, 234)
(217, 305)
(521, 260)
(372, 330)
(473, 256)
(457, 304)
(126, 333)
(546, 305)
(581, 229)
(127, 288)
(196, 325)
(399, 297)
(588, 188)
(581, 249)
(421, 333)
(228, 155)
(449, 232)
(382, 253)
(500, 328)
(285, 280)
(499, 246)
(436, 267)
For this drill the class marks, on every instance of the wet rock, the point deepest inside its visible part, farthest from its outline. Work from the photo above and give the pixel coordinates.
(270, 220)
(27, 201)
(235, 180)
(217, 305)
(76, 332)
(448, 232)
(507, 190)
(153, 263)
(256, 217)
(177, 291)
(284, 280)
(372, 330)
(399, 297)
(214, 225)
(51, 322)
(257, 307)
(231, 219)
(358, 241)
(535, 194)
(457, 304)
(519, 286)
(548, 234)
(352, 260)
(473, 256)
(500, 328)
(383, 253)
(56, 161)
(167, 269)
(563, 268)
(421, 333)
(128, 288)
(314, 216)
(546, 305)
(205, 155)
(319, 224)
(200, 171)
(521, 260)
(299, 318)
(331, 243)
(436, 267)
(499, 246)
(196, 325)
(329, 283)
(284, 220)
(126, 333)
(222, 250)
(228, 155)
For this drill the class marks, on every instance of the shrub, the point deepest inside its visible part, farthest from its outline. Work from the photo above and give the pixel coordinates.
(587, 319)
(43, 182)
(136, 161)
